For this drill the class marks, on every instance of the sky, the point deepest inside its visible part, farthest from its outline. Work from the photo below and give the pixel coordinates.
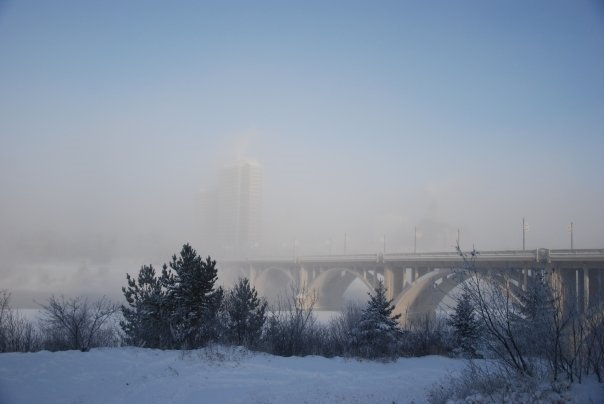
(369, 119)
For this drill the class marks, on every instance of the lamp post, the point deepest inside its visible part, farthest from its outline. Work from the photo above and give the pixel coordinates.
(525, 228)
(415, 240)
(571, 229)
(345, 242)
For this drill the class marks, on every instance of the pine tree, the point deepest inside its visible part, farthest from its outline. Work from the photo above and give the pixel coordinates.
(145, 318)
(466, 328)
(378, 333)
(246, 314)
(537, 312)
(193, 300)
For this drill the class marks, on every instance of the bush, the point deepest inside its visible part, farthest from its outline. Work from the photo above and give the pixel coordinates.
(17, 334)
(489, 382)
(292, 328)
(428, 335)
(339, 333)
(77, 323)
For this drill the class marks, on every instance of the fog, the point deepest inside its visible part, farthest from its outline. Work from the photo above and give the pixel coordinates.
(367, 123)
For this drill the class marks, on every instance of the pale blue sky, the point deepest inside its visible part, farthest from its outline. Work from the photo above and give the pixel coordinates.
(368, 117)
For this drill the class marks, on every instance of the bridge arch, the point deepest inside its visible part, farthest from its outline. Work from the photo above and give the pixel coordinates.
(425, 294)
(274, 282)
(331, 284)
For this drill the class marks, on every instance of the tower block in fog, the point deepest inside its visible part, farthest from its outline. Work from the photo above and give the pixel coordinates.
(233, 211)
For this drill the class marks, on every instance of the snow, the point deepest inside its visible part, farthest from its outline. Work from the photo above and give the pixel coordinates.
(223, 375)
(212, 375)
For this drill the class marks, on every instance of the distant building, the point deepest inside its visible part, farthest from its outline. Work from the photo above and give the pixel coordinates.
(234, 210)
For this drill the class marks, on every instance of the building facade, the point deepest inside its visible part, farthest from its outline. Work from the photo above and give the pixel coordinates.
(233, 210)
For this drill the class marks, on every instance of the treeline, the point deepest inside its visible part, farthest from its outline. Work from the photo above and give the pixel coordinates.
(180, 308)
(528, 333)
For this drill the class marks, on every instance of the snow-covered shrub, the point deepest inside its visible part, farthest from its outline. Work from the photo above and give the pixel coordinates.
(17, 334)
(489, 382)
(593, 348)
(427, 335)
(77, 323)
(340, 332)
(292, 328)
(222, 355)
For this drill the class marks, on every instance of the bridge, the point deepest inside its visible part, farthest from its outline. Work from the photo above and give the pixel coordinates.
(417, 282)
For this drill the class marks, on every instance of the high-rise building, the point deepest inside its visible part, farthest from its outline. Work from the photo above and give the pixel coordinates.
(234, 210)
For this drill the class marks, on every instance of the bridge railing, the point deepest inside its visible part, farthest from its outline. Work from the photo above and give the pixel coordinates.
(537, 255)
(340, 258)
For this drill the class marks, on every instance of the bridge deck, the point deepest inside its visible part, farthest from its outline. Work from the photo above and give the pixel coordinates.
(577, 256)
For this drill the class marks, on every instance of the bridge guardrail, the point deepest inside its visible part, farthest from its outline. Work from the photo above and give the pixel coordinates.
(537, 255)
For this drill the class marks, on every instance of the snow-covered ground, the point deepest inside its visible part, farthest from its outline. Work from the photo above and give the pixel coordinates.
(214, 375)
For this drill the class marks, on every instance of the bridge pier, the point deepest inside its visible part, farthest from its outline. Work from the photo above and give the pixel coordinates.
(524, 278)
(393, 281)
(594, 287)
(581, 278)
(305, 276)
(568, 289)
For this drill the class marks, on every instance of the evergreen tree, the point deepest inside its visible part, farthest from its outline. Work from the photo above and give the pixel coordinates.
(193, 300)
(145, 317)
(537, 312)
(378, 333)
(466, 328)
(246, 314)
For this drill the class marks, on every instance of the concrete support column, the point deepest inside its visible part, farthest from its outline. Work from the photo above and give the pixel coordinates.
(594, 287)
(304, 276)
(569, 289)
(524, 278)
(253, 276)
(393, 281)
(407, 276)
(580, 274)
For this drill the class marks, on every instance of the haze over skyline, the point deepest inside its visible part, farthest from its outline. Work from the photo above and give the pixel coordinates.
(368, 118)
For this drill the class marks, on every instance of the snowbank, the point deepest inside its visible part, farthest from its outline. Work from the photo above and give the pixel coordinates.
(224, 375)
(212, 375)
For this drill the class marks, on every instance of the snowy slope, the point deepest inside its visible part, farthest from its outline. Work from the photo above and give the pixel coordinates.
(212, 375)
(224, 375)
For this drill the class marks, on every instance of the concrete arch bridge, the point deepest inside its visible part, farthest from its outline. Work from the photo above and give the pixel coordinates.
(418, 282)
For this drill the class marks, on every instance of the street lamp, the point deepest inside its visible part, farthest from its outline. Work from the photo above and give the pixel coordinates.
(345, 242)
(571, 229)
(415, 236)
(525, 228)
